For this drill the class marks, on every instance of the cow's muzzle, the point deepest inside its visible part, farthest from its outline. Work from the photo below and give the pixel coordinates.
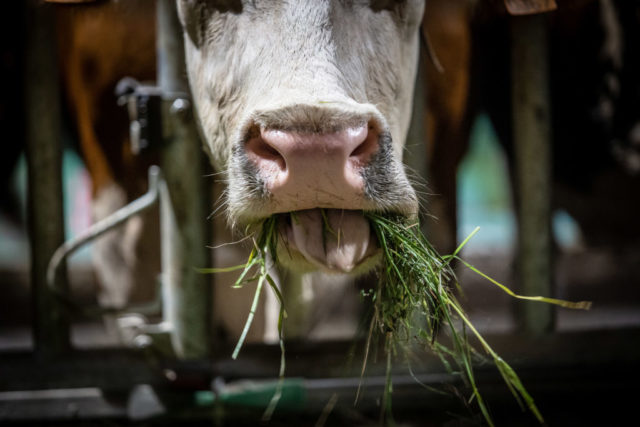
(322, 169)
(300, 169)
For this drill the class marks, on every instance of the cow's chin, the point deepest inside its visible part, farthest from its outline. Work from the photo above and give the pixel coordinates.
(330, 240)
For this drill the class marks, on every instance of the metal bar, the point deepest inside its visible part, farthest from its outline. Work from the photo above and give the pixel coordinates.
(44, 160)
(122, 368)
(170, 49)
(532, 140)
(186, 293)
(415, 154)
(109, 369)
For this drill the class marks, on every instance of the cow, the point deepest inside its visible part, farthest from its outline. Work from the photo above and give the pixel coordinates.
(99, 44)
(302, 106)
(594, 96)
(306, 106)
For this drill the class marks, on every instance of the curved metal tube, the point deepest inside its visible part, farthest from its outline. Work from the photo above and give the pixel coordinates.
(117, 218)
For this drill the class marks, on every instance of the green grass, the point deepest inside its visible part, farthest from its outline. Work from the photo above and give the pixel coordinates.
(413, 303)
(257, 270)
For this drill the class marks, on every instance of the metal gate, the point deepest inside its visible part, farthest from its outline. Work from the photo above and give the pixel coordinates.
(177, 372)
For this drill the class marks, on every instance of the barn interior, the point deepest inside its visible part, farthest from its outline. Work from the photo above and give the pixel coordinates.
(547, 169)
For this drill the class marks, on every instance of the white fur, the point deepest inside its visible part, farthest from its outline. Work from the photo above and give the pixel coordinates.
(338, 58)
(334, 54)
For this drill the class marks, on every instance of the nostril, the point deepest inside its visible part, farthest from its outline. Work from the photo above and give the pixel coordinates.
(262, 153)
(369, 145)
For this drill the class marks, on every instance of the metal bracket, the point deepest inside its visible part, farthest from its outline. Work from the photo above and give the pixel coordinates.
(134, 328)
(144, 106)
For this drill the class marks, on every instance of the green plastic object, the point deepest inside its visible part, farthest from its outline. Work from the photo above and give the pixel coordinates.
(254, 394)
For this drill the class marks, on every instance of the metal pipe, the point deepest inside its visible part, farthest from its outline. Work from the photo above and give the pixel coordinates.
(99, 228)
(187, 294)
(415, 154)
(44, 160)
(532, 140)
(170, 49)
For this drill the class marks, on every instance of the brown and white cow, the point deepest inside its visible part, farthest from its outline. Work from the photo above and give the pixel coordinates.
(100, 43)
(594, 95)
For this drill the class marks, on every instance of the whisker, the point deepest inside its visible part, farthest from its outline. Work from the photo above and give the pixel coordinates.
(247, 237)
(209, 175)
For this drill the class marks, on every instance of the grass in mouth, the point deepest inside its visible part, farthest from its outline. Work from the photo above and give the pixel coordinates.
(413, 301)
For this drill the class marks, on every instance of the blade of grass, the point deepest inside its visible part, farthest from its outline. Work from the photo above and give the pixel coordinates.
(253, 261)
(268, 413)
(581, 305)
(367, 347)
(221, 269)
(273, 403)
(507, 372)
(326, 411)
(252, 313)
(464, 242)
(386, 415)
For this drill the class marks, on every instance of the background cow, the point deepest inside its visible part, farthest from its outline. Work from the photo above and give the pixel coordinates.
(99, 44)
(594, 97)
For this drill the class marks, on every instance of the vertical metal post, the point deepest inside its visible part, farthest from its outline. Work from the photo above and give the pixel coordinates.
(532, 139)
(187, 293)
(44, 159)
(415, 155)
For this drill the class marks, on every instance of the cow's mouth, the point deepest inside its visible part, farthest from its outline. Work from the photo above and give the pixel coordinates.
(331, 240)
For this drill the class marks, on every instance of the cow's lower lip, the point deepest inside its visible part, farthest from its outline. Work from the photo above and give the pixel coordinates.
(332, 240)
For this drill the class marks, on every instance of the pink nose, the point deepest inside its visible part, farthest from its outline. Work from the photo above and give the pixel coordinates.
(308, 170)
